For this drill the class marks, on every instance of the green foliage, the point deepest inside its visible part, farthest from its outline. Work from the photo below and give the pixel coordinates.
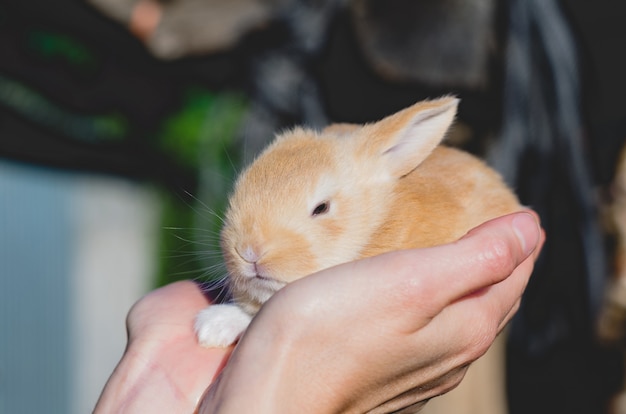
(205, 125)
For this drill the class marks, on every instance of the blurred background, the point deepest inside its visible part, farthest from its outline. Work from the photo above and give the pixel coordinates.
(123, 123)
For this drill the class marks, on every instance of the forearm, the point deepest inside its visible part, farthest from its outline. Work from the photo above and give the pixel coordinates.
(256, 380)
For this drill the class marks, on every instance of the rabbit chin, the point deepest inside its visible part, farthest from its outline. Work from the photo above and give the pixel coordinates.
(252, 292)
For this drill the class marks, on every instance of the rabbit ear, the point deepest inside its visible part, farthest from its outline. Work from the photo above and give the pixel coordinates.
(403, 140)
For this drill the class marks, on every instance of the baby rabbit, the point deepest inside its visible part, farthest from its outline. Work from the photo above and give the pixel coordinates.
(312, 200)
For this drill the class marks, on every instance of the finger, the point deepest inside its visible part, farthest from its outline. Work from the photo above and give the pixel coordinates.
(492, 252)
(174, 304)
(475, 320)
(433, 278)
(506, 295)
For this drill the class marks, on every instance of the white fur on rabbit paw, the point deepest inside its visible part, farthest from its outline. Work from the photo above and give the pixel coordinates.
(221, 325)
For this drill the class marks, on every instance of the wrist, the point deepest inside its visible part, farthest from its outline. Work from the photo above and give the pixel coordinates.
(121, 391)
(271, 372)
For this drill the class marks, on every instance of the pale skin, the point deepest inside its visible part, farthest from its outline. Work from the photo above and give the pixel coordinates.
(375, 335)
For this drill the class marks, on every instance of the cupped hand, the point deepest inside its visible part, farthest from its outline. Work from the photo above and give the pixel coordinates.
(381, 334)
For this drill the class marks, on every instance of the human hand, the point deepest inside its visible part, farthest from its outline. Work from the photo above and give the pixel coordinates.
(374, 336)
(381, 334)
(163, 369)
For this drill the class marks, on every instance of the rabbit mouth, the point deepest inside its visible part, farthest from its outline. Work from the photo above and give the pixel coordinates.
(263, 277)
(268, 282)
(253, 275)
(253, 278)
(260, 280)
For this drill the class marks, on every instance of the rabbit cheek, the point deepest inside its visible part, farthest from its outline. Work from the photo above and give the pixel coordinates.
(291, 257)
(331, 246)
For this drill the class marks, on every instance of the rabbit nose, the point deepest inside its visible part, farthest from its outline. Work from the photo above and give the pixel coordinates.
(252, 258)
(249, 254)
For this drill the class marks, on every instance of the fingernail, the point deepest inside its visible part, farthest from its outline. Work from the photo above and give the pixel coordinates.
(526, 229)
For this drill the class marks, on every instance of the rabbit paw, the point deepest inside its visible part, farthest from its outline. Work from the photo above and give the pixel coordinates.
(220, 325)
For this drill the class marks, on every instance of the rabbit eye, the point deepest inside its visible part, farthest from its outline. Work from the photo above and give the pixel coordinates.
(321, 208)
